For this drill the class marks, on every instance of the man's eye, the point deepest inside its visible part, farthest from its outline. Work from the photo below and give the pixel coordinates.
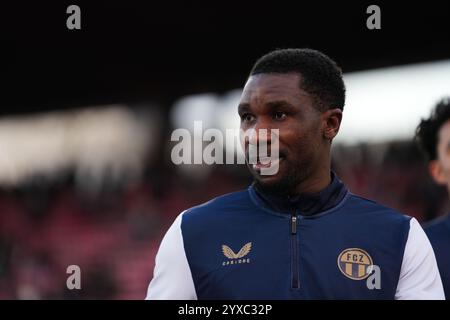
(279, 115)
(247, 117)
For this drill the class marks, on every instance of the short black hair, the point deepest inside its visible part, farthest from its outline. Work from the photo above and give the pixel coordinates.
(428, 129)
(321, 77)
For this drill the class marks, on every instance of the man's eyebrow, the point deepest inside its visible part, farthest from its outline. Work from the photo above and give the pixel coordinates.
(243, 107)
(279, 103)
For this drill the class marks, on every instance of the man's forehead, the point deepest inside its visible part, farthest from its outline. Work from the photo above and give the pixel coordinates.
(273, 83)
(265, 88)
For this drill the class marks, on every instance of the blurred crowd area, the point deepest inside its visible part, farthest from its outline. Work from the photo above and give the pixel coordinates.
(113, 235)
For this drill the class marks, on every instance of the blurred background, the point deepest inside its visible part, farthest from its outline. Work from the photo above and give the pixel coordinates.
(87, 116)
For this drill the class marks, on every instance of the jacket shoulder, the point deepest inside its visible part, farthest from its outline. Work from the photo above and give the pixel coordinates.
(376, 210)
(438, 227)
(231, 202)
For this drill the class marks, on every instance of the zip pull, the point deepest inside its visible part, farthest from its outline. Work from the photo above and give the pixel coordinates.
(294, 224)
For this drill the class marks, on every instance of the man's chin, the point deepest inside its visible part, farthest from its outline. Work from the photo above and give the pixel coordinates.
(269, 182)
(281, 182)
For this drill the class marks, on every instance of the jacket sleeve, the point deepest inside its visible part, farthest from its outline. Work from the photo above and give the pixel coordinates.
(419, 275)
(172, 278)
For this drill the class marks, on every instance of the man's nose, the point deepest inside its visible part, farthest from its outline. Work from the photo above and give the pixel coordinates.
(260, 133)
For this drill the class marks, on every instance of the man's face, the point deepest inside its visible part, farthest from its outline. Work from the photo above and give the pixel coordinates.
(440, 168)
(275, 101)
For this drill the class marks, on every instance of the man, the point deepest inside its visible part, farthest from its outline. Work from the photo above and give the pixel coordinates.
(299, 233)
(433, 136)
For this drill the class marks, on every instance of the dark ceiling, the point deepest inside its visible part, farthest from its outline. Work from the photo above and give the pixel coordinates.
(144, 51)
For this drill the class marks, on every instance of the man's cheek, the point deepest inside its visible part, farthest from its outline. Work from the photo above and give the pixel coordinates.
(446, 168)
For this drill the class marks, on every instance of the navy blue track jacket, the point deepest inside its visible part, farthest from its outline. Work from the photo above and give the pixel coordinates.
(438, 232)
(329, 245)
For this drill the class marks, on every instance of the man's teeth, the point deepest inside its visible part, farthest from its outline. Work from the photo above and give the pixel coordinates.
(265, 160)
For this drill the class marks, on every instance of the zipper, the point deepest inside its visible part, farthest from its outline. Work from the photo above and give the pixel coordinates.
(294, 248)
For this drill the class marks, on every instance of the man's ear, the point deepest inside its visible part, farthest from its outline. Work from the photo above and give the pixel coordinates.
(437, 172)
(331, 123)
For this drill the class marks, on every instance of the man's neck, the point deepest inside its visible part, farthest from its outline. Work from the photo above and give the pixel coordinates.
(308, 203)
(314, 184)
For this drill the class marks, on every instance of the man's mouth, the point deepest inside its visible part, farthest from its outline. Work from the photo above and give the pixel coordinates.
(267, 162)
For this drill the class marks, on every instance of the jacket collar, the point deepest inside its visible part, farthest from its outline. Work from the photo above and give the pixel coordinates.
(306, 204)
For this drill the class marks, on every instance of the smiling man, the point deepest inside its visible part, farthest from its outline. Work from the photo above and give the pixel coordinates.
(298, 233)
